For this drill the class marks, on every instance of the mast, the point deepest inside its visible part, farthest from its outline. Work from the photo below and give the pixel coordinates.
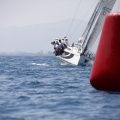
(95, 24)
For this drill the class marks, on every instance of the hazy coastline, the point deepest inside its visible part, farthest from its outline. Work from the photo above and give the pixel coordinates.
(49, 53)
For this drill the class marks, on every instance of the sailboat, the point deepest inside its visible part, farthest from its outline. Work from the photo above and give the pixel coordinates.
(82, 54)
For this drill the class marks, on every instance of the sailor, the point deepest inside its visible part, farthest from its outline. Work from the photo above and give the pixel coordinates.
(56, 38)
(73, 44)
(63, 41)
(59, 49)
(63, 44)
(55, 44)
(66, 41)
(56, 47)
(59, 46)
(80, 41)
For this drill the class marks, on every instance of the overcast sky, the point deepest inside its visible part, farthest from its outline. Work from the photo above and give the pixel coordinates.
(21, 13)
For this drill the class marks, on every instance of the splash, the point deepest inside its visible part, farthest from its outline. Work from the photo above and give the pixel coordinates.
(40, 64)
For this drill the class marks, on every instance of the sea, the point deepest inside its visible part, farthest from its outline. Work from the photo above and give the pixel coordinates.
(38, 88)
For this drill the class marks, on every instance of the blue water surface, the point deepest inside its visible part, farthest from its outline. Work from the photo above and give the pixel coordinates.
(38, 88)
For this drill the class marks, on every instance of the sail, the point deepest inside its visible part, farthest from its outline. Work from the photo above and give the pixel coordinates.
(116, 7)
(96, 22)
(89, 25)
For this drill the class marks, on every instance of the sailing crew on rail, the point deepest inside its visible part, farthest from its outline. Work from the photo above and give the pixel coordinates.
(80, 41)
(63, 45)
(55, 44)
(60, 47)
(66, 42)
(57, 47)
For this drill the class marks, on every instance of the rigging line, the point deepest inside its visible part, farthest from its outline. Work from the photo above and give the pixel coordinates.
(74, 17)
(80, 22)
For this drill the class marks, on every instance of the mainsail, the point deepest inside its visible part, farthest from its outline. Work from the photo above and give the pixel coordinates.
(95, 25)
(116, 7)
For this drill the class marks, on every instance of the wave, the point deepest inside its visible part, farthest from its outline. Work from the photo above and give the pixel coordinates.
(40, 64)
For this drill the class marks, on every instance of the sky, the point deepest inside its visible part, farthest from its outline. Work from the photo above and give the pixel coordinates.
(19, 18)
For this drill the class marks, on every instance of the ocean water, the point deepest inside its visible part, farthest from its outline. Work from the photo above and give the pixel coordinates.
(38, 88)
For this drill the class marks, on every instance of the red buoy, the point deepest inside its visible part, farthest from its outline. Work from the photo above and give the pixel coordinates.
(105, 74)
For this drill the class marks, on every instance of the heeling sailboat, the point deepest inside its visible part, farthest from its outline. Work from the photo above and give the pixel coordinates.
(82, 54)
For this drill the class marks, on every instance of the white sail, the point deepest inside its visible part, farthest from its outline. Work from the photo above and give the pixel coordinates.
(97, 20)
(89, 25)
(116, 7)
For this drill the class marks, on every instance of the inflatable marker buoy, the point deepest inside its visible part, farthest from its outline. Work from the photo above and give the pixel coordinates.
(105, 74)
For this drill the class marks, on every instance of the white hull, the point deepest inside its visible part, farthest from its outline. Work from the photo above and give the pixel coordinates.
(74, 60)
(72, 56)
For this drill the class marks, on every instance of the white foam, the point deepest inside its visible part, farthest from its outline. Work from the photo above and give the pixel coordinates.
(33, 63)
(43, 64)
(40, 64)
